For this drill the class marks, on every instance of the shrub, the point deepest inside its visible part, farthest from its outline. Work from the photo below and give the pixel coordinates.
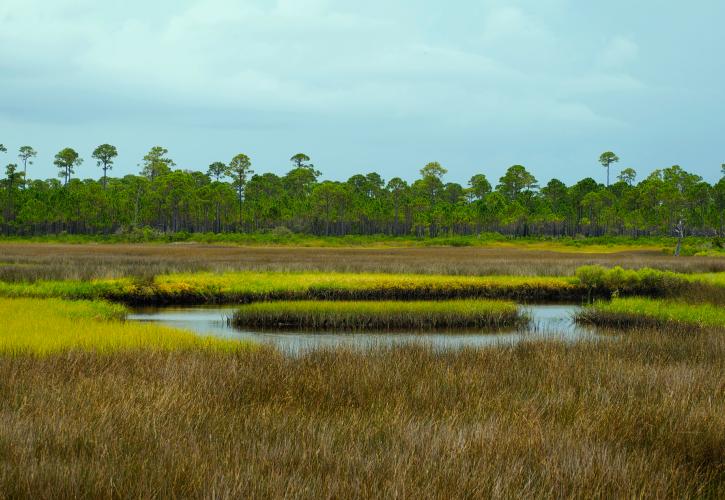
(281, 232)
(645, 281)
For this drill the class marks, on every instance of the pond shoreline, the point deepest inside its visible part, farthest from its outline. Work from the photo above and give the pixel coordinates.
(550, 321)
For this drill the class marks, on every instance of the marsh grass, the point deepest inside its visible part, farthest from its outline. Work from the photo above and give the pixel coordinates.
(31, 262)
(638, 312)
(244, 287)
(249, 286)
(643, 416)
(380, 315)
(45, 326)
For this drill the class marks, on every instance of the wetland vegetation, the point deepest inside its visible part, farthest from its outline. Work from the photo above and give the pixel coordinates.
(641, 416)
(248, 286)
(236, 326)
(93, 405)
(35, 327)
(38, 261)
(380, 315)
(638, 311)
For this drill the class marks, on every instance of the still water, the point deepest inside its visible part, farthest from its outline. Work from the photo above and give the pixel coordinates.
(548, 321)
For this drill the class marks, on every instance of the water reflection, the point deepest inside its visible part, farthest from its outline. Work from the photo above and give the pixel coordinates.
(548, 321)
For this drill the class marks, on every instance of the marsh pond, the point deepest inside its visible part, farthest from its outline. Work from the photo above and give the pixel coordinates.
(547, 321)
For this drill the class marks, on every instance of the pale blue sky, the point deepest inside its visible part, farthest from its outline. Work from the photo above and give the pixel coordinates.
(375, 85)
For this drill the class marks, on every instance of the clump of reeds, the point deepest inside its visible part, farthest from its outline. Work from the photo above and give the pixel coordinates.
(381, 315)
(644, 312)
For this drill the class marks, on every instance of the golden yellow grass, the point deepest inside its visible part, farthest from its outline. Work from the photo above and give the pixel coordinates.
(642, 415)
(46, 326)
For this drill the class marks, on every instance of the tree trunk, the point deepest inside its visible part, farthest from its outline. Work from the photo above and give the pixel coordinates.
(680, 230)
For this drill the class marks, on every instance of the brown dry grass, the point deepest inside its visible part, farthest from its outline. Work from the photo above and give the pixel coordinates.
(639, 416)
(57, 261)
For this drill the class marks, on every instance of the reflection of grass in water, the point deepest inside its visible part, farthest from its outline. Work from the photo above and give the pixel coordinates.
(361, 315)
(44, 326)
(635, 311)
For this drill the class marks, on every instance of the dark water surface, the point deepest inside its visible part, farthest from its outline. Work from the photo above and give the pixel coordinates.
(548, 321)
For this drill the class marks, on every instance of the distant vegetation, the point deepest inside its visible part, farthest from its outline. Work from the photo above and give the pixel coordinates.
(231, 198)
(32, 262)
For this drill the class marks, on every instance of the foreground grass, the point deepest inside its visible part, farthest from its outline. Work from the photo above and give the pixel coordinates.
(42, 327)
(643, 416)
(361, 315)
(241, 287)
(635, 311)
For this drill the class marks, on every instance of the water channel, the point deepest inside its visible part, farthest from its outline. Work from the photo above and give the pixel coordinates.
(547, 321)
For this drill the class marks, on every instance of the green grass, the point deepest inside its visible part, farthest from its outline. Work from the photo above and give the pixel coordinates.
(717, 279)
(636, 311)
(46, 326)
(384, 315)
(240, 287)
(247, 286)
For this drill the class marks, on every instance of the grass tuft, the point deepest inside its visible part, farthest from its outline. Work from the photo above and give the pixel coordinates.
(638, 312)
(385, 315)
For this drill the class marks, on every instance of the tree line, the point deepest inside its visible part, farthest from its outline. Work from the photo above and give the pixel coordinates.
(231, 197)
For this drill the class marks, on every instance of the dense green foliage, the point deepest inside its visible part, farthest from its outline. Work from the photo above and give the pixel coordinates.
(232, 198)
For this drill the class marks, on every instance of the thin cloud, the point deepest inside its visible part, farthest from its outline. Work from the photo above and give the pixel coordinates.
(313, 67)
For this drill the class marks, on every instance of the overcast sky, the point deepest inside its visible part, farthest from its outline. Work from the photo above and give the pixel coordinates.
(378, 85)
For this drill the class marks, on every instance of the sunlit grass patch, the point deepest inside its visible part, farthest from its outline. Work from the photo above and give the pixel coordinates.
(636, 311)
(202, 288)
(360, 286)
(45, 326)
(248, 286)
(712, 278)
(361, 315)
